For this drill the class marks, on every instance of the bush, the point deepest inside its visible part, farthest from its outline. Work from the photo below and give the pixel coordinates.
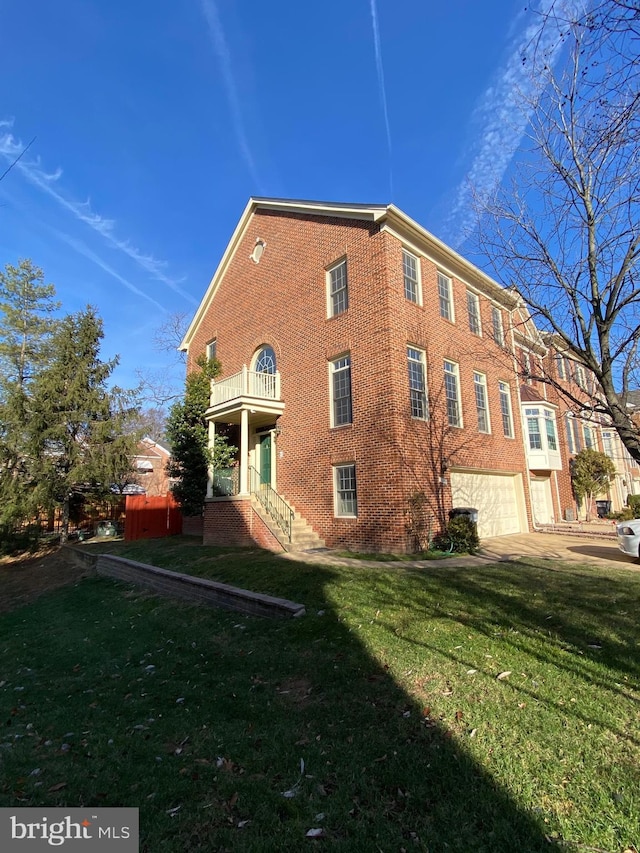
(633, 502)
(625, 514)
(462, 533)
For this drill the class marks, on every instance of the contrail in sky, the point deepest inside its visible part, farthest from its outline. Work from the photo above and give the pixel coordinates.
(502, 120)
(381, 87)
(221, 48)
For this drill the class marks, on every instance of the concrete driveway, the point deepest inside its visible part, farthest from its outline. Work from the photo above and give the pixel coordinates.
(555, 546)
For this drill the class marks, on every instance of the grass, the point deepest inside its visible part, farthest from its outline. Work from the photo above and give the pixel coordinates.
(380, 714)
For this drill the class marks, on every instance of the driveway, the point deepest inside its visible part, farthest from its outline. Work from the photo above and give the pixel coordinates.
(601, 551)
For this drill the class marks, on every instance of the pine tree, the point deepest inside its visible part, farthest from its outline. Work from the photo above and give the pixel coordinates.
(187, 432)
(77, 435)
(26, 326)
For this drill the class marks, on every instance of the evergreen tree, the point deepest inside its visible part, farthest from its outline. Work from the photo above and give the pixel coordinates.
(26, 326)
(591, 474)
(187, 432)
(77, 432)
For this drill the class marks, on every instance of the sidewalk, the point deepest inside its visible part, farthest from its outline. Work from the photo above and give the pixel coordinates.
(597, 547)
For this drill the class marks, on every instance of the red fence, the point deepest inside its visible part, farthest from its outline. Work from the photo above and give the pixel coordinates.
(150, 518)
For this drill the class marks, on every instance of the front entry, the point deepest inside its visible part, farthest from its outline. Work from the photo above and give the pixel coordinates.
(265, 458)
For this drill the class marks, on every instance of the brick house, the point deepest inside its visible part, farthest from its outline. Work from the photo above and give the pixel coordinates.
(149, 465)
(371, 383)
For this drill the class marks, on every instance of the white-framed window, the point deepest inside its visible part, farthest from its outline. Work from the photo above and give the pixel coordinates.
(338, 288)
(550, 429)
(411, 273)
(579, 377)
(473, 310)
(589, 437)
(505, 408)
(341, 412)
(525, 366)
(568, 421)
(445, 297)
(574, 433)
(498, 328)
(345, 493)
(212, 349)
(416, 363)
(480, 387)
(534, 429)
(607, 443)
(560, 367)
(452, 393)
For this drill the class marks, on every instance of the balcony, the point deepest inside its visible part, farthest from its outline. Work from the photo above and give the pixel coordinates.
(255, 393)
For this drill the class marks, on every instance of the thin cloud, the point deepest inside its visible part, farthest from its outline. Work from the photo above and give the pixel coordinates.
(381, 85)
(503, 122)
(10, 148)
(82, 249)
(221, 48)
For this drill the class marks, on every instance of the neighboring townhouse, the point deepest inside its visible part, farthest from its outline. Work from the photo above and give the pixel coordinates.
(150, 464)
(582, 428)
(371, 382)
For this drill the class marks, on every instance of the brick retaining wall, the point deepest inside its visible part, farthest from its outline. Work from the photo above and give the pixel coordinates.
(196, 590)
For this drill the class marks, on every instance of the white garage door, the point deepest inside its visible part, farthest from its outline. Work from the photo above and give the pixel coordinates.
(541, 502)
(497, 497)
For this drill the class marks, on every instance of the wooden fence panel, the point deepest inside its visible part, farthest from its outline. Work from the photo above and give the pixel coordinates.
(151, 518)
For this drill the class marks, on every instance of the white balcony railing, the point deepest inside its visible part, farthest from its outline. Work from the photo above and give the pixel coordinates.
(246, 383)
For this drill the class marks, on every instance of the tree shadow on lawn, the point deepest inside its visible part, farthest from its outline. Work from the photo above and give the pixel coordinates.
(379, 773)
(540, 609)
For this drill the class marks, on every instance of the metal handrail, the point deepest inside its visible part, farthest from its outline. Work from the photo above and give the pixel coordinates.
(273, 503)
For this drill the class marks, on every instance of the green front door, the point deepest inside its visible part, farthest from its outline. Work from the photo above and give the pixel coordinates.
(265, 458)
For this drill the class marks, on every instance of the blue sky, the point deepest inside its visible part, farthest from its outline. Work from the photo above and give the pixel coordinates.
(156, 121)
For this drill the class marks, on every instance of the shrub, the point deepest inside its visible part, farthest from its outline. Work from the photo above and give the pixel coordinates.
(625, 514)
(462, 533)
(633, 502)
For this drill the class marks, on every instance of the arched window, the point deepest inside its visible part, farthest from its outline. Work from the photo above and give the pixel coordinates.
(265, 360)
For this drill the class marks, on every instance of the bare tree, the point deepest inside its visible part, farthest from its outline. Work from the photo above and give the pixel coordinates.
(566, 232)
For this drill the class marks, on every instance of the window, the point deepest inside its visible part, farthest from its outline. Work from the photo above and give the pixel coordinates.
(560, 367)
(579, 376)
(212, 349)
(550, 428)
(265, 360)
(574, 437)
(498, 329)
(338, 293)
(444, 294)
(473, 309)
(607, 444)
(452, 393)
(535, 440)
(346, 502)
(417, 383)
(525, 366)
(411, 272)
(480, 385)
(341, 391)
(505, 409)
(589, 439)
(569, 425)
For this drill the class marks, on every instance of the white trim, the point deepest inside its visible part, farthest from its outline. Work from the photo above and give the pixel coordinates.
(390, 218)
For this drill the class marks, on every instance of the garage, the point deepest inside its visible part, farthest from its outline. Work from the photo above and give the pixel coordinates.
(498, 498)
(541, 501)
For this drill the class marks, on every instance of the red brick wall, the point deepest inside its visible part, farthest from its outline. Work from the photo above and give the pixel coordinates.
(282, 302)
(235, 522)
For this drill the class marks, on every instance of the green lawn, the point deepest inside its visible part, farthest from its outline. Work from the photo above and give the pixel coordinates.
(379, 717)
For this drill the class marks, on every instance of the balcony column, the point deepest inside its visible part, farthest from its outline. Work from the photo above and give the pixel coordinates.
(244, 452)
(210, 443)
